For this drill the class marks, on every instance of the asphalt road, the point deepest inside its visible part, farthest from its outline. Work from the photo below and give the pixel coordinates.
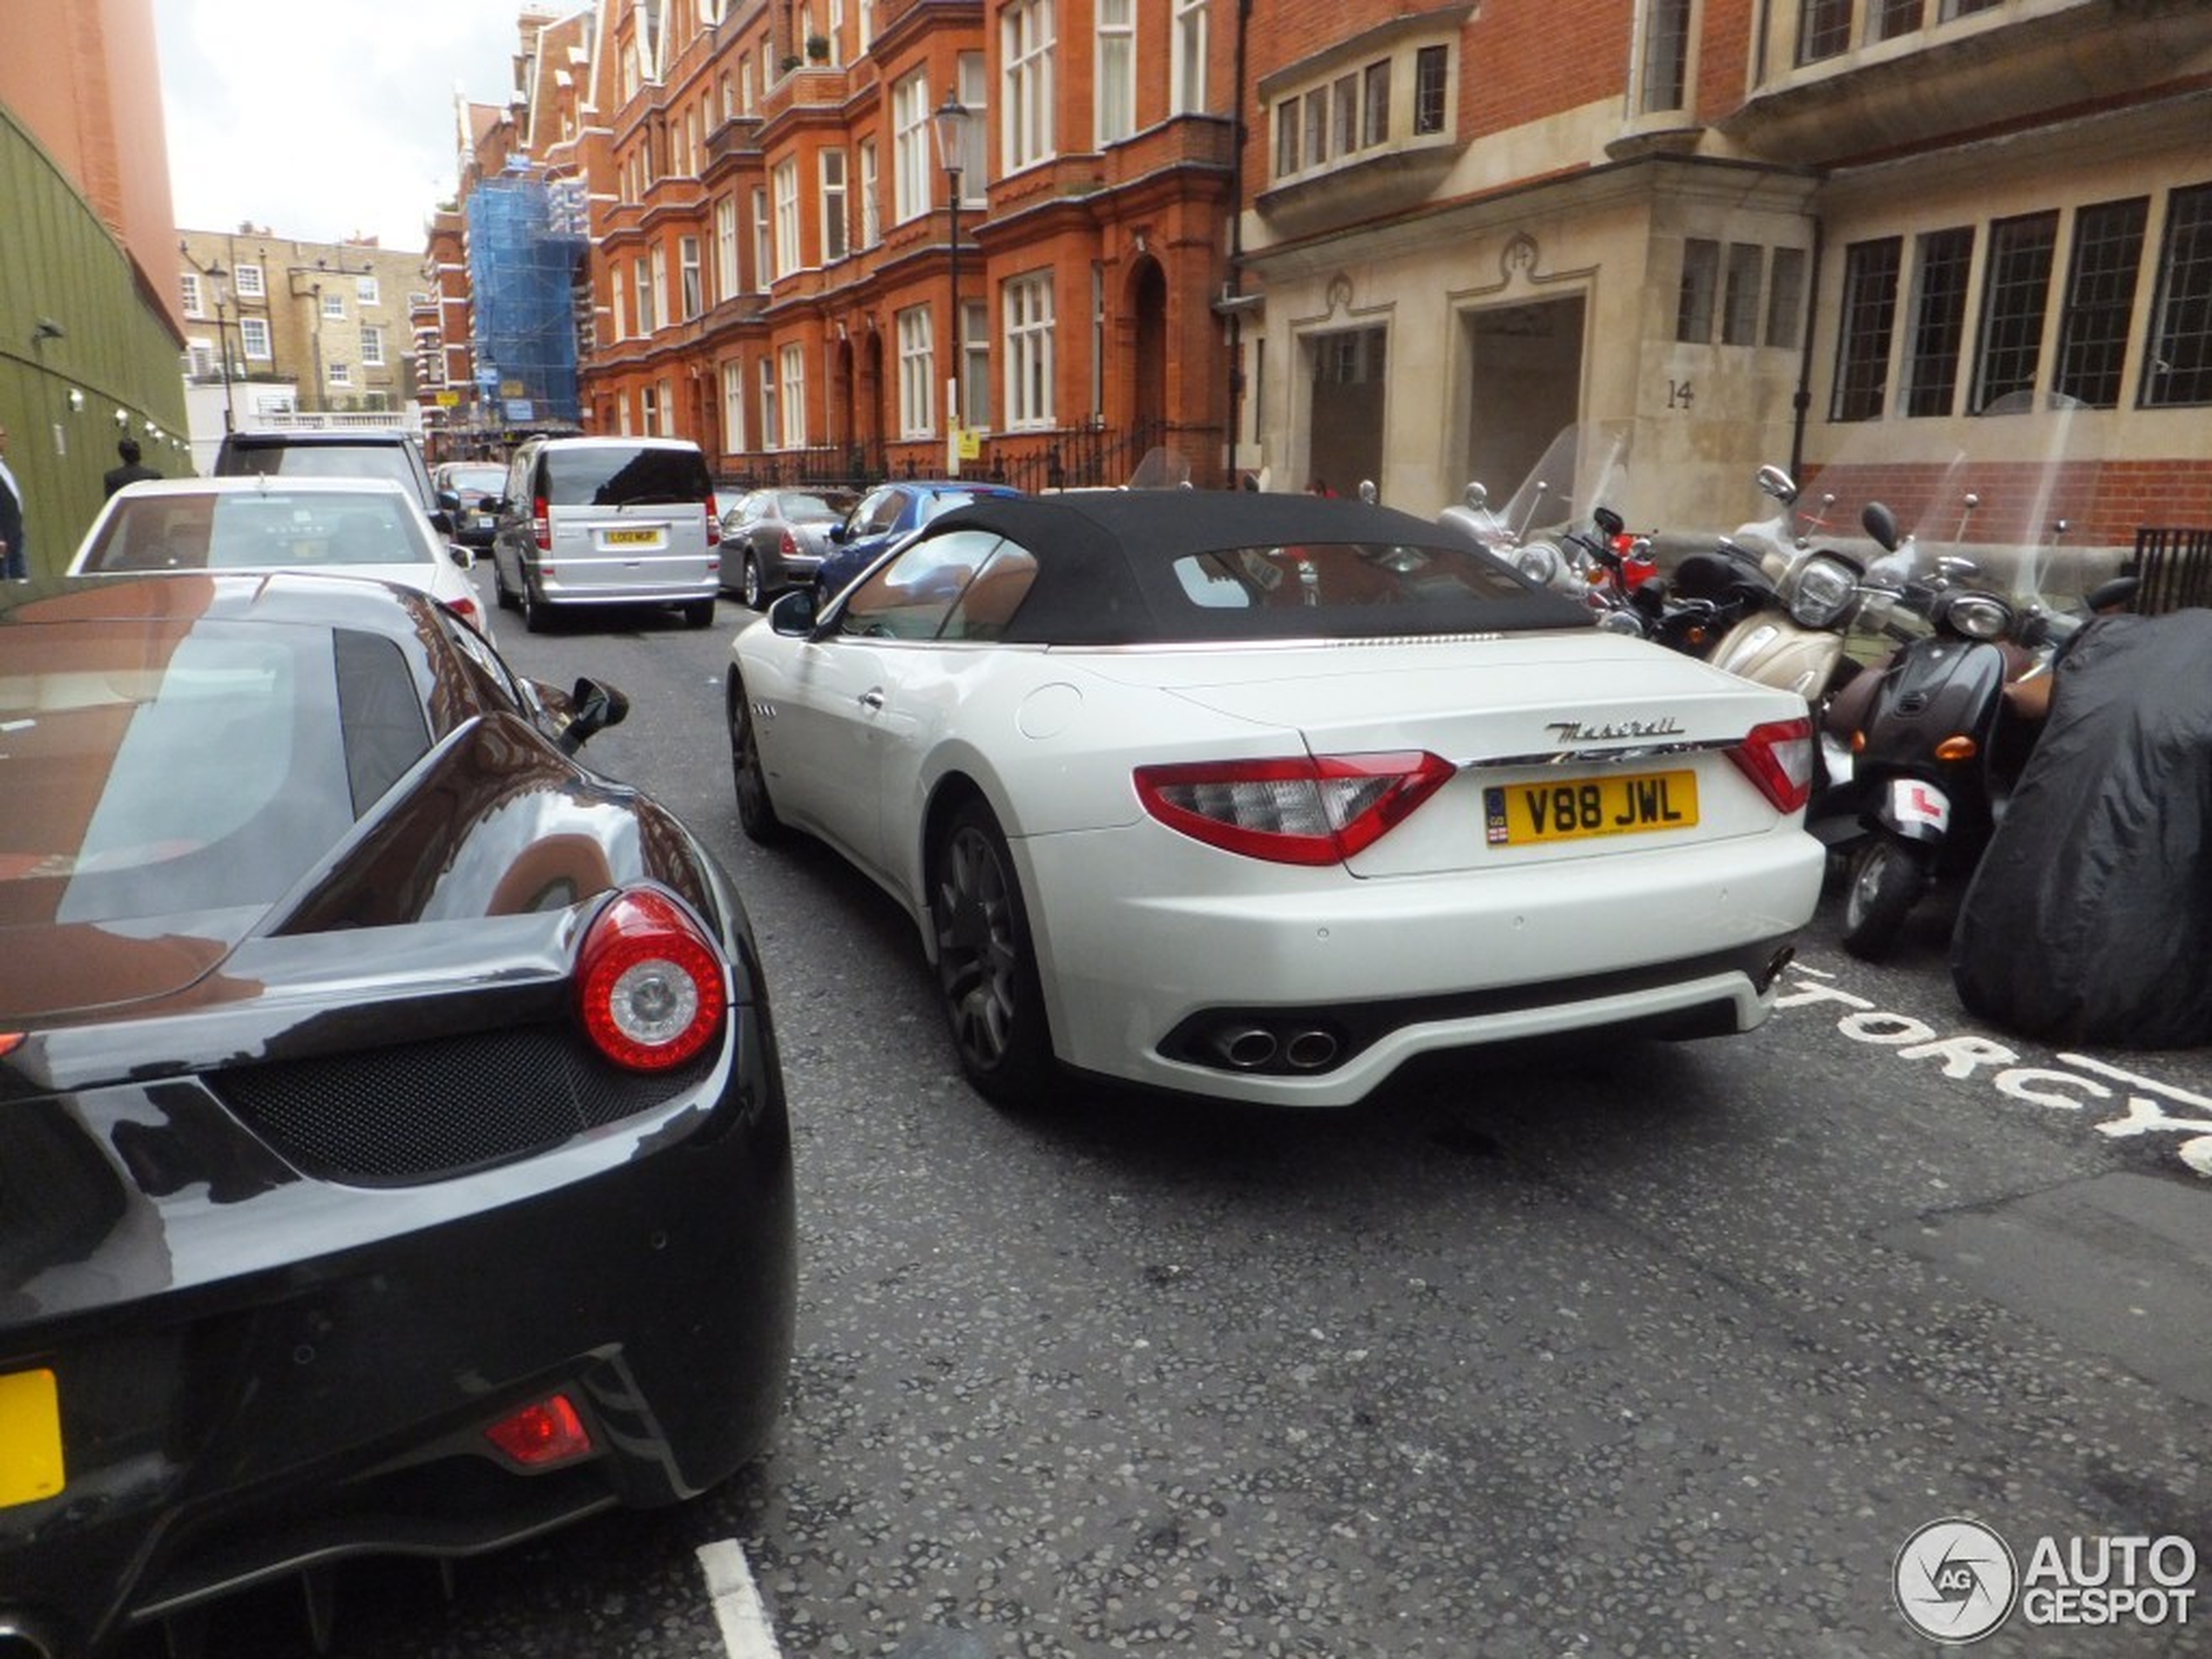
(1613, 1349)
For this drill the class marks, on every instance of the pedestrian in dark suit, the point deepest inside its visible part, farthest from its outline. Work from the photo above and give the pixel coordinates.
(131, 471)
(14, 560)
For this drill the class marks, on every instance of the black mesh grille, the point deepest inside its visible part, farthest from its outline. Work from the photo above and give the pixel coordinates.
(425, 1111)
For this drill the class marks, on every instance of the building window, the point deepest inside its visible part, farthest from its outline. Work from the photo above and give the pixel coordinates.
(1824, 28)
(734, 408)
(1869, 317)
(2177, 369)
(1432, 79)
(2015, 295)
(333, 307)
(1317, 127)
(976, 364)
(189, 282)
(371, 346)
(1665, 84)
(911, 166)
(871, 212)
(649, 411)
(254, 337)
(725, 247)
(1740, 303)
(1938, 323)
(1701, 281)
(247, 278)
(1028, 351)
(1895, 17)
(1286, 138)
(1187, 59)
(2100, 299)
(619, 293)
(1116, 70)
(793, 359)
(365, 291)
(763, 252)
(1374, 127)
(341, 373)
(771, 424)
(786, 180)
(917, 374)
(641, 272)
(657, 264)
(688, 276)
(833, 209)
(1026, 42)
(1344, 114)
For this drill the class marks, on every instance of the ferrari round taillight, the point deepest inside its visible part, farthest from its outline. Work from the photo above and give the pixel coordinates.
(648, 983)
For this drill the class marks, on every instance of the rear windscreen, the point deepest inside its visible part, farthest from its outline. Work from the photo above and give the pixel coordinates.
(326, 461)
(619, 478)
(268, 529)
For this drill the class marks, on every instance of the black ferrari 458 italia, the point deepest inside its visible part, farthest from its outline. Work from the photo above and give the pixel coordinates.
(393, 1150)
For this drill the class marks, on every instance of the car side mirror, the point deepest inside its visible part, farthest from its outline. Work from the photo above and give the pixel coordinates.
(794, 614)
(450, 500)
(441, 522)
(841, 534)
(463, 555)
(593, 706)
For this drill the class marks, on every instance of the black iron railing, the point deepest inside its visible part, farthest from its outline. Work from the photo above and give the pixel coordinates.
(2175, 568)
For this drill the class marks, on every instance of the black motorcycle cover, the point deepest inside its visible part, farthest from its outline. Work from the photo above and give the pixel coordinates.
(2090, 919)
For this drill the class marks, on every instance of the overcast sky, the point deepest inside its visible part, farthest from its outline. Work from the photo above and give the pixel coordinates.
(324, 119)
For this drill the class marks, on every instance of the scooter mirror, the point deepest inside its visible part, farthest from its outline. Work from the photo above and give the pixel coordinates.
(1881, 524)
(1609, 522)
(1477, 497)
(1772, 481)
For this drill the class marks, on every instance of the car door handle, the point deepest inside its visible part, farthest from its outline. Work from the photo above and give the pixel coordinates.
(872, 700)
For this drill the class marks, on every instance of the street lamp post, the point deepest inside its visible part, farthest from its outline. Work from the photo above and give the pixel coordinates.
(951, 124)
(218, 280)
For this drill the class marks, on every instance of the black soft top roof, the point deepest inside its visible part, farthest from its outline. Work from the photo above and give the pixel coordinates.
(1105, 566)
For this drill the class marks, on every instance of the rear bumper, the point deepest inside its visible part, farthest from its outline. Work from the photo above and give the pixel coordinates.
(304, 1405)
(1143, 989)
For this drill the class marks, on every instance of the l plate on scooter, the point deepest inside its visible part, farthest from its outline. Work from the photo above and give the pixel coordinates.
(1913, 803)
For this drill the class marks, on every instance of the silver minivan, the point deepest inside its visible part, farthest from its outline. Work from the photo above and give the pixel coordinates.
(607, 520)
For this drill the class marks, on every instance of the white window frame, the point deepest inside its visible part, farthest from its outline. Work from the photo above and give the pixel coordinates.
(657, 264)
(691, 281)
(372, 344)
(365, 289)
(733, 421)
(1116, 74)
(837, 241)
(871, 197)
(1187, 58)
(619, 293)
(782, 179)
(334, 306)
(641, 274)
(912, 166)
(1027, 305)
(1026, 51)
(253, 339)
(915, 329)
(793, 360)
(725, 247)
(764, 252)
(246, 282)
(771, 424)
(338, 372)
(190, 292)
(976, 364)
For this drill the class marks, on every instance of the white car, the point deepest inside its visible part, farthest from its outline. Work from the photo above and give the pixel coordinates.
(1259, 796)
(357, 527)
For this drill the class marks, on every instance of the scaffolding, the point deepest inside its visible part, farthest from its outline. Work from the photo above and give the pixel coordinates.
(526, 237)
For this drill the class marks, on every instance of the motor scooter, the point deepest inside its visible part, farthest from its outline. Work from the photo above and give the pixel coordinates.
(1936, 739)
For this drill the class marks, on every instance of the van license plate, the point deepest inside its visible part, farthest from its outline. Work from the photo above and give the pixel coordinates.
(31, 1437)
(1572, 809)
(632, 538)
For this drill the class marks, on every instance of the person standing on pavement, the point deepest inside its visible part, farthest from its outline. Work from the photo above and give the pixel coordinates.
(14, 560)
(131, 471)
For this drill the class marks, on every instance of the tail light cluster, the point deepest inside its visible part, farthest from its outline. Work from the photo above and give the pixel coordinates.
(1300, 809)
(541, 524)
(713, 524)
(649, 984)
(1777, 758)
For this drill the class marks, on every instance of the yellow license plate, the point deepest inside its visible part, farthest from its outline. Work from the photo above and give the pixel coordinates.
(31, 1437)
(632, 538)
(1572, 809)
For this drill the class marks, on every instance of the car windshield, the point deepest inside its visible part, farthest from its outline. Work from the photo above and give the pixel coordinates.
(156, 767)
(260, 530)
(618, 476)
(391, 461)
(477, 481)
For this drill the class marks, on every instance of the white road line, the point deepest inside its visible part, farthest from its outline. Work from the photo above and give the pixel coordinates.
(737, 1612)
(2153, 1084)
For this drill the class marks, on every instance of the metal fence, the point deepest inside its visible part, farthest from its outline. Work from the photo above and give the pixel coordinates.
(1084, 457)
(2175, 568)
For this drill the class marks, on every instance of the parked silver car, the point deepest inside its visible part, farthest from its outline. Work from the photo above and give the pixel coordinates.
(607, 520)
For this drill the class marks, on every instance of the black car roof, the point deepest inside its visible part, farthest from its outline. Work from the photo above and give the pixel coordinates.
(1104, 561)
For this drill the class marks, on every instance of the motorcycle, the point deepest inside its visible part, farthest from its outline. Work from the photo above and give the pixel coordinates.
(1794, 637)
(1938, 734)
(1541, 530)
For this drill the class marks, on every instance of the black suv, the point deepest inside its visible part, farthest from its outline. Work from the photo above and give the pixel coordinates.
(317, 452)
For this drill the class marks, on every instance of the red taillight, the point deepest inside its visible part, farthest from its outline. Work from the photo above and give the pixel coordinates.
(541, 525)
(788, 544)
(1301, 809)
(1777, 756)
(713, 524)
(649, 984)
(543, 1432)
(466, 609)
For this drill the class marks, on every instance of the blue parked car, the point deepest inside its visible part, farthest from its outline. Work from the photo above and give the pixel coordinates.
(890, 513)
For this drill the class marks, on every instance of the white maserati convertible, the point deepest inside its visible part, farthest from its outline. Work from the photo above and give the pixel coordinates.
(1260, 795)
